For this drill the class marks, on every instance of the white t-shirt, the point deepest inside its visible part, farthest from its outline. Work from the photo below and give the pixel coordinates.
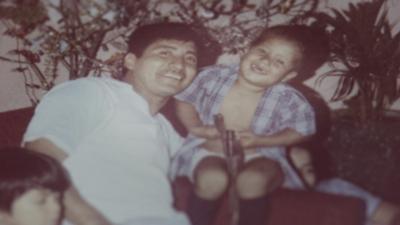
(118, 153)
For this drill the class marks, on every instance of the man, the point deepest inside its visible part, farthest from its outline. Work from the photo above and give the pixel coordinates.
(110, 135)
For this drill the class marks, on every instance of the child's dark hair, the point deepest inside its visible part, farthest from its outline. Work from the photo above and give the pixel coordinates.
(22, 170)
(207, 48)
(312, 41)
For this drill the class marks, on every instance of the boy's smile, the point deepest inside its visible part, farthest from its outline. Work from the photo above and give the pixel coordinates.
(174, 76)
(258, 69)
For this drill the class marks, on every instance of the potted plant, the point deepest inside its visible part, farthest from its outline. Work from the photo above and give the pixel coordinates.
(365, 57)
(368, 55)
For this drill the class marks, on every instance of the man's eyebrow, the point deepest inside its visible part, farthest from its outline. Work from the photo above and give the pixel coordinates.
(164, 46)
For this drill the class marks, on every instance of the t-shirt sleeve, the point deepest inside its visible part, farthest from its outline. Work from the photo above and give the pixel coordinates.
(176, 142)
(298, 114)
(68, 114)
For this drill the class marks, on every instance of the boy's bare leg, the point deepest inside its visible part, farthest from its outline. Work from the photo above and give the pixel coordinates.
(210, 181)
(211, 178)
(258, 178)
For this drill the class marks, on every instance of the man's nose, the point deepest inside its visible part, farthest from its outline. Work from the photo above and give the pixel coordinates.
(177, 63)
(265, 59)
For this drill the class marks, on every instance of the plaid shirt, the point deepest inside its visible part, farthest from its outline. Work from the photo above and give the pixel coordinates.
(280, 107)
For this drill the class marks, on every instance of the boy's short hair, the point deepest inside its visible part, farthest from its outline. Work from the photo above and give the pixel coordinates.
(22, 170)
(207, 48)
(312, 41)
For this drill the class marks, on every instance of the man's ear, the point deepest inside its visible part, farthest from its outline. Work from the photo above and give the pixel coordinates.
(130, 61)
(291, 75)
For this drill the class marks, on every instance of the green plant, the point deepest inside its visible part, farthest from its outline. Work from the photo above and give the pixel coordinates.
(365, 58)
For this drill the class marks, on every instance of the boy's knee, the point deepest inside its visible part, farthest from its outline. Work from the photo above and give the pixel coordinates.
(211, 180)
(259, 178)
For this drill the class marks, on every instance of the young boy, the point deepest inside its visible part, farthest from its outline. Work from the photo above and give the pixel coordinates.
(31, 188)
(266, 114)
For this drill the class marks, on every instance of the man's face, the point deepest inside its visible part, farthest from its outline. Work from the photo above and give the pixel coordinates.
(268, 63)
(36, 207)
(165, 68)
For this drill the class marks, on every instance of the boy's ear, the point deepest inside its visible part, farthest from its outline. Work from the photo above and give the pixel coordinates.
(291, 75)
(130, 61)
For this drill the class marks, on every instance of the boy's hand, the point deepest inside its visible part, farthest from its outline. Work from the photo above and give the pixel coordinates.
(248, 140)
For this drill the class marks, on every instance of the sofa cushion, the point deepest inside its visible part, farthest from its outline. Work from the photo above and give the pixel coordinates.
(292, 207)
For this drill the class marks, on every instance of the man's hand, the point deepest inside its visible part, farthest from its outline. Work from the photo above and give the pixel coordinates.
(214, 145)
(206, 131)
(211, 134)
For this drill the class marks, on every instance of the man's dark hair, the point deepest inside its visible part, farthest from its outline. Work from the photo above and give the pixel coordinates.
(207, 48)
(312, 42)
(22, 170)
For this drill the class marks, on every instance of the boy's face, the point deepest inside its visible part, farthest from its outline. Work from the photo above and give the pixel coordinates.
(165, 68)
(36, 207)
(268, 63)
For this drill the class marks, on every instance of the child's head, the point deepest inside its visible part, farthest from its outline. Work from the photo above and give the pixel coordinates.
(31, 188)
(285, 52)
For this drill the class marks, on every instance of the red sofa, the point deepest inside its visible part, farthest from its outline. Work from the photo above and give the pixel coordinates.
(287, 207)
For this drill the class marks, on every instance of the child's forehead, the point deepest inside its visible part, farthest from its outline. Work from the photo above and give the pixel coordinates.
(277, 40)
(279, 45)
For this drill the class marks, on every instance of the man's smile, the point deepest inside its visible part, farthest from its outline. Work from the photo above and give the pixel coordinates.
(174, 76)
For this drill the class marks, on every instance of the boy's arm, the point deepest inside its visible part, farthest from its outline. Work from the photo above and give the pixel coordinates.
(286, 137)
(190, 119)
(77, 210)
(187, 114)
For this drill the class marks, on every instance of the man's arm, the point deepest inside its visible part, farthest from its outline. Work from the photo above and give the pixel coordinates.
(45, 146)
(77, 210)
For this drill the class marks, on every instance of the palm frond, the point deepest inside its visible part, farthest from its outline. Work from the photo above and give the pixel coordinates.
(363, 44)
